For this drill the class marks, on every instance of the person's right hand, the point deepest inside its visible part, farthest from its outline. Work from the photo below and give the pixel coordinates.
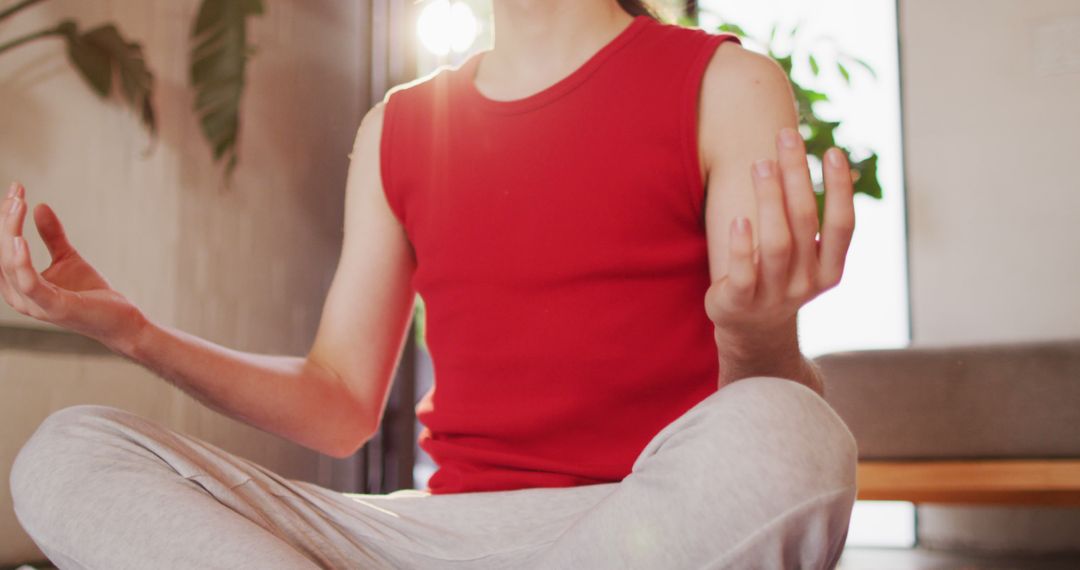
(70, 293)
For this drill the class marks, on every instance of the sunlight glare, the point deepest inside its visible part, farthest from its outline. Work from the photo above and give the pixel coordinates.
(445, 26)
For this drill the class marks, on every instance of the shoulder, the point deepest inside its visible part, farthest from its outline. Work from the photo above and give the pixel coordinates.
(370, 130)
(407, 109)
(735, 73)
(743, 95)
(371, 124)
(424, 85)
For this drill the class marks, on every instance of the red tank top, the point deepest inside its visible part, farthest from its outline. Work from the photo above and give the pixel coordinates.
(561, 255)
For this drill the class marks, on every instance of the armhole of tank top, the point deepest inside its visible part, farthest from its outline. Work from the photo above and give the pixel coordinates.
(386, 139)
(692, 103)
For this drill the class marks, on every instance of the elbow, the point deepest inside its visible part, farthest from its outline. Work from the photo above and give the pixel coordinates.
(341, 452)
(346, 422)
(346, 444)
(348, 435)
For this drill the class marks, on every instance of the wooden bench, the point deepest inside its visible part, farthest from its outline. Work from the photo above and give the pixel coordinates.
(1053, 482)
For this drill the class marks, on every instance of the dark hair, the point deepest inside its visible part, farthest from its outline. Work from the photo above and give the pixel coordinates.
(637, 8)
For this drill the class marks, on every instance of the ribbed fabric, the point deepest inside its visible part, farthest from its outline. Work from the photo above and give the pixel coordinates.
(562, 259)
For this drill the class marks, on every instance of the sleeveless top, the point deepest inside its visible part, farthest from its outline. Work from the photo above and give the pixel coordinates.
(562, 259)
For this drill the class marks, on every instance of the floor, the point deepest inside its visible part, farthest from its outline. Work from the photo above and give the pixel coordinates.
(922, 559)
(907, 559)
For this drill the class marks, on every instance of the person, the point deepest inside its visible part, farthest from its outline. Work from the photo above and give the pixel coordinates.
(612, 222)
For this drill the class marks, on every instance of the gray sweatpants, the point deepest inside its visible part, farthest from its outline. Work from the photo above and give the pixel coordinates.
(761, 474)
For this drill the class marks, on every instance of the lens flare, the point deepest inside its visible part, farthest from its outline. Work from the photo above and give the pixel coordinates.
(445, 26)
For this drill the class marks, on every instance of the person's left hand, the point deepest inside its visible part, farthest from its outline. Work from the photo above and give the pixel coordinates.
(764, 288)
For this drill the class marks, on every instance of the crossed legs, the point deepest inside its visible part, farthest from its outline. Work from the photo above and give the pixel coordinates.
(761, 474)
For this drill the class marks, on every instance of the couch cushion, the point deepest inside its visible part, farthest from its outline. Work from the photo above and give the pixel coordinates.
(960, 402)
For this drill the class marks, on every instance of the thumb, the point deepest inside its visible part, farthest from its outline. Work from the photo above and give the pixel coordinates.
(52, 232)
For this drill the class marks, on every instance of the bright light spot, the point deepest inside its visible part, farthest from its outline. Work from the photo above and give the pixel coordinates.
(444, 26)
(882, 524)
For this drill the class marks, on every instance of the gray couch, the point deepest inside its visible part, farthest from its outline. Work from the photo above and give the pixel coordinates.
(985, 437)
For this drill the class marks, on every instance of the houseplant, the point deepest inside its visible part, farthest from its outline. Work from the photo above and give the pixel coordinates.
(819, 134)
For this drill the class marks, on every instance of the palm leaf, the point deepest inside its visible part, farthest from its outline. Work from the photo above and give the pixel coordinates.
(102, 54)
(218, 60)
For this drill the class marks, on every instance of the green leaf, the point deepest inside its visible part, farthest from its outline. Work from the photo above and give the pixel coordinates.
(822, 136)
(733, 29)
(102, 53)
(819, 197)
(785, 63)
(867, 179)
(218, 61)
(866, 182)
(862, 63)
(805, 98)
(815, 96)
(819, 134)
(844, 72)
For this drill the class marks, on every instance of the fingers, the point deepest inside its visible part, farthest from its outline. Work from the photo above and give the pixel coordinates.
(741, 274)
(52, 232)
(43, 296)
(801, 212)
(23, 287)
(10, 226)
(839, 219)
(14, 212)
(774, 237)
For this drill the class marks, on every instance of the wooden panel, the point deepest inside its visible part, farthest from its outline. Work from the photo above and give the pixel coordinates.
(1000, 482)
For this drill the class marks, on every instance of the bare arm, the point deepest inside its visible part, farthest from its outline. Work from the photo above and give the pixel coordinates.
(329, 400)
(765, 269)
(332, 399)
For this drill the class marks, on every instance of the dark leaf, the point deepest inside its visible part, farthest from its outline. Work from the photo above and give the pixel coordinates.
(218, 61)
(785, 63)
(102, 53)
(819, 197)
(822, 137)
(867, 180)
(91, 62)
(814, 68)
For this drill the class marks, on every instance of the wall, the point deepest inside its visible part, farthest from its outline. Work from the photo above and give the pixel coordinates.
(993, 190)
(246, 266)
(991, 121)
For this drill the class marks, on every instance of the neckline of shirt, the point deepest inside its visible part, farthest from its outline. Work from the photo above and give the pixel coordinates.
(467, 75)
